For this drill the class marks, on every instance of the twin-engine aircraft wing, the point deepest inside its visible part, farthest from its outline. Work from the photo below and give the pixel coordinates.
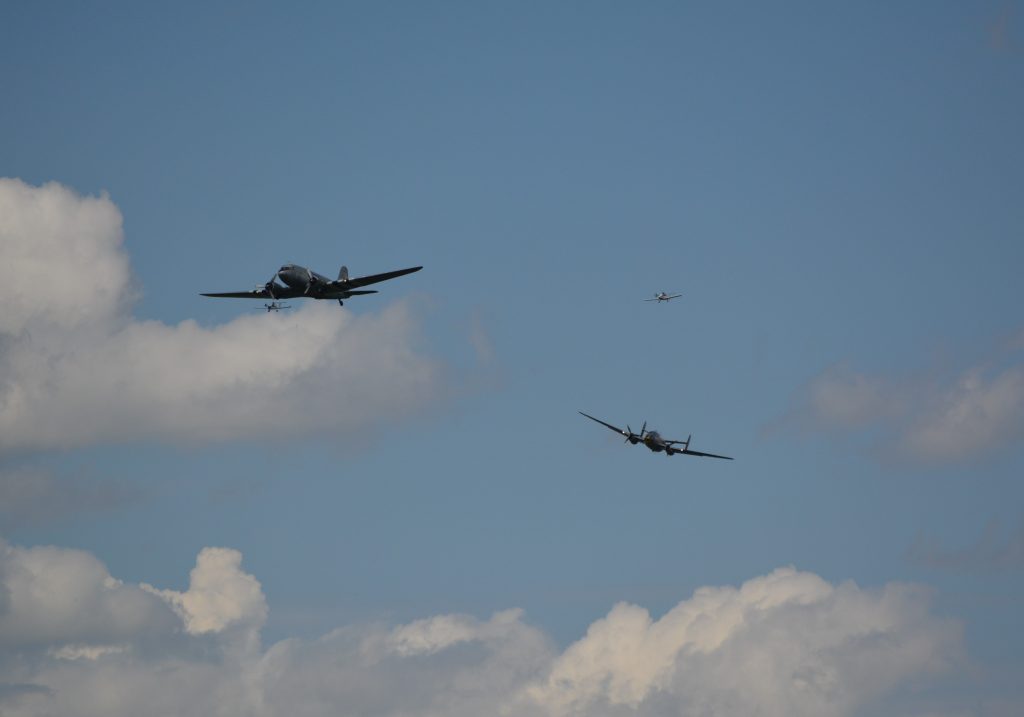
(686, 449)
(614, 428)
(688, 452)
(373, 278)
(254, 294)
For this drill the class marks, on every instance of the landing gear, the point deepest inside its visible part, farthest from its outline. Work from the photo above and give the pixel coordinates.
(340, 302)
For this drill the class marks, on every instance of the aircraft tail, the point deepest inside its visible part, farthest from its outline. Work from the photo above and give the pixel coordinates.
(343, 274)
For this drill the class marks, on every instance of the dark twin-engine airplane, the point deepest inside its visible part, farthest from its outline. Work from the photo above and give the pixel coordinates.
(301, 282)
(654, 441)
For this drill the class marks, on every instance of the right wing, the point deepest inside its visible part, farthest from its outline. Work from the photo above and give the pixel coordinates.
(688, 452)
(614, 428)
(372, 279)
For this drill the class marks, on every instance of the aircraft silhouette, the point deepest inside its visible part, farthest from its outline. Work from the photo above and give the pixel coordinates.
(275, 306)
(662, 296)
(654, 441)
(300, 282)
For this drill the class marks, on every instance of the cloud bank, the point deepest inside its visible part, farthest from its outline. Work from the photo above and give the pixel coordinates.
(77, 369)
(76, 641)
(928, 421)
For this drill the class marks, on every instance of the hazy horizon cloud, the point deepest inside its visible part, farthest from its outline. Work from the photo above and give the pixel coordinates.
(995, 550)
(926, 420)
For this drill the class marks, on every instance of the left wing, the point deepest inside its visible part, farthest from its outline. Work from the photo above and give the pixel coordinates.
(260, 294)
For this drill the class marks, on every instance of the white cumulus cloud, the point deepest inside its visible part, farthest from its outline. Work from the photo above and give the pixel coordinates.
(788, 643)
(76, 368)
(219, 594)
(76, 641)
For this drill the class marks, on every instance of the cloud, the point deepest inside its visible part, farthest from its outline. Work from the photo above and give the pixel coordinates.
(841, 398)
(995, 550)
(1000, 30)
(219, 594)
(11, 694)
(982, 411)
(62, 265)
(77, 369)
(51, 598)
(788, 643)
(76, 641)
(971, 414)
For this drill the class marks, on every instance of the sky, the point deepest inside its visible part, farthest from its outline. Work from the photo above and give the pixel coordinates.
(393, 507)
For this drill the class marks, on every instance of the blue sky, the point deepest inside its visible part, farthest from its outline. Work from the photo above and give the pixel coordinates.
(836, 191)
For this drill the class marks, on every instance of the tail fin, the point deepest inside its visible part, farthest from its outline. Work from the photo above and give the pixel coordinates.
(686, 446)
(343, 274)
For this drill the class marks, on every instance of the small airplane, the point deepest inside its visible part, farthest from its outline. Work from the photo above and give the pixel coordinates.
(301, 282)
(654, 441)
(275, 306)
(663, 296)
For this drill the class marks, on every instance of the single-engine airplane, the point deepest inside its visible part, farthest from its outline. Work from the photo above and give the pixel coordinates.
(654, 441)
(275, 306)
(663, 296)
(300, 282)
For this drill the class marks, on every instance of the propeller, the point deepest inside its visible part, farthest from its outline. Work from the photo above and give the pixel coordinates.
(635, 438)
(270, 286)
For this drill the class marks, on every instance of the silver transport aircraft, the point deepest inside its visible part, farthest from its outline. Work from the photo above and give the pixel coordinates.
(654, 441)
(663, 296)
(300, 282)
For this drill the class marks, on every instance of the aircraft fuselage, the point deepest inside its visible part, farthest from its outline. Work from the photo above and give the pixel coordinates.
(654, 441)
(300, 281)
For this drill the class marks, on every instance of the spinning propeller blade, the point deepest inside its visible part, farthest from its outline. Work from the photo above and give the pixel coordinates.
(270, 286)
